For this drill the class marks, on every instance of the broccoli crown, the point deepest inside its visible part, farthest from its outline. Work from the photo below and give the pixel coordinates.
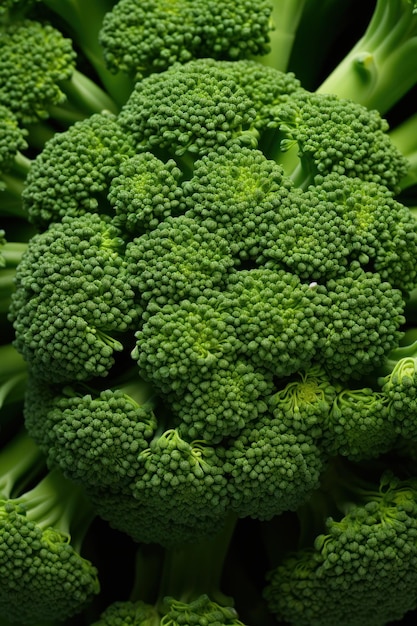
(185, 244)
(151, 36)
(398, 384)
(34, 59)
(48, 569)
(72, 293)
(369, 552)
(42, 573)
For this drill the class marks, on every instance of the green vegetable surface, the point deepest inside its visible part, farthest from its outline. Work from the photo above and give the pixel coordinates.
(208, 288)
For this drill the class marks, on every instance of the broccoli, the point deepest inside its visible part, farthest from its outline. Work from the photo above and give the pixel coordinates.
(43, 576)
(207, 293)
(362, 547)
(381, 66)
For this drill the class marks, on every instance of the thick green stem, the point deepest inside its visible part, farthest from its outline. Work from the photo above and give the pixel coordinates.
(20, 461)
(404, 136)
(57, 503)
(84, 19)
(13, 373)
(195, 569)
(382, 66)
(286, 15)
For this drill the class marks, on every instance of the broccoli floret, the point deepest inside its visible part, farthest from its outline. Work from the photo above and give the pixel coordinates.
(42, 574)
(183, 341)
(73, 299)
(398, 383)
(271, 467)
(333, 134)
(381, 66)
(365, 550)
(93, 438)
(38, 76)
(362, 321)
(151, 36)
(74, 169)
(145, 192)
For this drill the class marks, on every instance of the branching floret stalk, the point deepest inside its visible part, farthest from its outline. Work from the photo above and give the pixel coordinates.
(84, 20)
(20, 461)
(285, 17)
(382, 65)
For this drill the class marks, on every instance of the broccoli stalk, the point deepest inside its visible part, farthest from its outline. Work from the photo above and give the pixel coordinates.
(13, 371)
(188, 580)
(404, 137)
(84, 22)
(382, 66)
(285, 18)
(45, 524)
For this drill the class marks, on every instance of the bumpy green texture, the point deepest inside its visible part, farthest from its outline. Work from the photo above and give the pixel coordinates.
(369, 551)
(128, 614)
(72, 296)
(42, 573)
(140, 38)
(34, 59)
(185, 248)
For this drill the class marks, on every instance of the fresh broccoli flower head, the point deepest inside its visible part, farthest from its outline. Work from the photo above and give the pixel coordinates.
(235, 242)
(150, 36)
(358, 425)
(31, 51)
(74, 169)
(93, 439)
(368, 554)
(42, 574)
(398, 384)
(72, 296)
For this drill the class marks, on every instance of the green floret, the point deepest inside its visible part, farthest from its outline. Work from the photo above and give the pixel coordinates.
(182, 341)
(94, 439)
(362, 322)
(398, 382)
(179, 260)
(271, 468)
(237, 192)
(221, 402)
(321, 230)
(191, 107)
(382, 65)
(146, 192)
(74, 170)
(42, 574)
(304, 402)
(365, 550)
(73, 300)
(202, 610)
(38, 75)
(332, 134)
(151, 36)
(277, 319)
(358, 425)
(184, 482)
